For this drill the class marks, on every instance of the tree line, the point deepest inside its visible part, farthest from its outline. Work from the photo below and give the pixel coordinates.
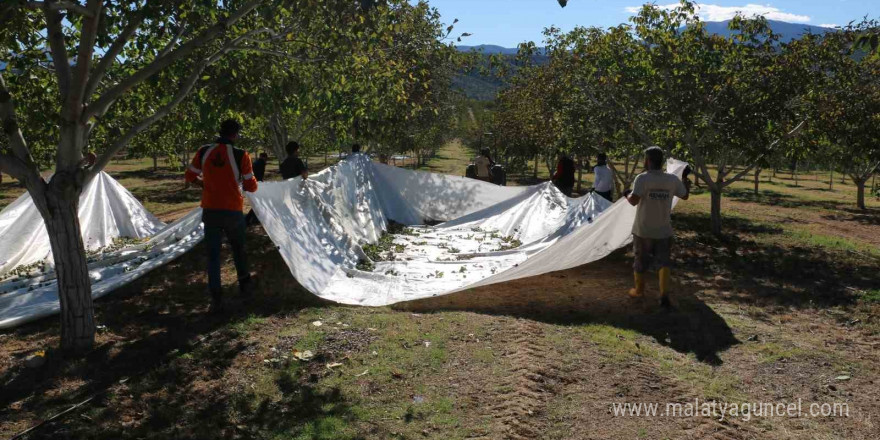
(731, 106)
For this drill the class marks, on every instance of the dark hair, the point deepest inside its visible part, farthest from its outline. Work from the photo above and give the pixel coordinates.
(655, 157)
(291, 147)
(229, 127)
(485, 152)
(601, 159)
(264, 155)
(355, 148)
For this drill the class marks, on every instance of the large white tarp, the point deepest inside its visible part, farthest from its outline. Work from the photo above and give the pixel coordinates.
(322, 225)
(490, 233)
(107, 211)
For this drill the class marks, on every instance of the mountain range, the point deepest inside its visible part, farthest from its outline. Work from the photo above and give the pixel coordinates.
(787, 32)
(481, 87)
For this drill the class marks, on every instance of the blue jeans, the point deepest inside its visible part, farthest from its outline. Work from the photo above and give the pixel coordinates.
(232, 224)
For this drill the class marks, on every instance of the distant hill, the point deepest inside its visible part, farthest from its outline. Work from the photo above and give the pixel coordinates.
(787, 31)
(488, 49)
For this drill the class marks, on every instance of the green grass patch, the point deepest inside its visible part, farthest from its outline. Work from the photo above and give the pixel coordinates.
(871, 296)
(248, 324)
(829, 242)
(769, 352)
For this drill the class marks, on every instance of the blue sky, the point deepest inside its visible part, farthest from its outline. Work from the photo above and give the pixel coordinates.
(509, 22)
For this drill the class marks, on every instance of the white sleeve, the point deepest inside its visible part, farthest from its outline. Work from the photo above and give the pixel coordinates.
(639, 186)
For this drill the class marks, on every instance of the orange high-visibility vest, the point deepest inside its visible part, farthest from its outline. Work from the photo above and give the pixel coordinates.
(224, 169)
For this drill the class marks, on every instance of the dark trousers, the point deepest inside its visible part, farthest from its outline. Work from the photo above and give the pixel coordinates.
(605, 194)
(648, 251)
(232, 224)
(565, 188)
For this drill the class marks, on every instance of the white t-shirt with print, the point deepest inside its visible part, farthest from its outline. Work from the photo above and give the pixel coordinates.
(655, 189)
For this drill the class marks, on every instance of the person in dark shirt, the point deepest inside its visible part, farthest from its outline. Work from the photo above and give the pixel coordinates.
(293, 166)
(260, 166)
(564, 177)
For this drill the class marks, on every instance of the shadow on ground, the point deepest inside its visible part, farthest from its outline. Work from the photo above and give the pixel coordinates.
(597, 293)
(758, 272)
(159, 338)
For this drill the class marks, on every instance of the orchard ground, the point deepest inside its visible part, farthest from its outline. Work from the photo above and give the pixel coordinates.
(785, 307)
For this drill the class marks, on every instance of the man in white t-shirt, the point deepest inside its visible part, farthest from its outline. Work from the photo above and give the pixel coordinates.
(604, 179)
(652, 194)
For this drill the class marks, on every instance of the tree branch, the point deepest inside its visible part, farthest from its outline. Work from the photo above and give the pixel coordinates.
(58, 48)
(103, 103)
(61, 6)
(174, 39)
(700, 162)
(145, 123)
(13, 132)
(770, 148)
(14, 166)
(115, 49)
(88, 35)
(277, 54)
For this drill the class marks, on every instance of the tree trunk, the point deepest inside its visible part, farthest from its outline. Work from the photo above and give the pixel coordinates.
(155, 162)
(580, 175)
(831, 181)
(535, 175)
(860, 192)
(757, 177)
(69, 253)
(716, 212)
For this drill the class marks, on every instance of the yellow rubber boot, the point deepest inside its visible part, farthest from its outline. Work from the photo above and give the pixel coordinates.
(639, 290)
(665, 282)
(665, 285)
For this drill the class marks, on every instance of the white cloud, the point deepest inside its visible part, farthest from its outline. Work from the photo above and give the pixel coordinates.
(827, 25)
(708, 12)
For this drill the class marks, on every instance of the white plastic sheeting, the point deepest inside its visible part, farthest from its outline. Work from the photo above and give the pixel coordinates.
(320, 226)
(491, 234)
(106, 211)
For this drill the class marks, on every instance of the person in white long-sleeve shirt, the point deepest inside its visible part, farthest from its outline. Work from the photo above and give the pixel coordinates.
(604, 182)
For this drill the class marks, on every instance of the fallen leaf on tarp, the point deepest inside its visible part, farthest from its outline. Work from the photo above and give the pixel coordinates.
(303, 355)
